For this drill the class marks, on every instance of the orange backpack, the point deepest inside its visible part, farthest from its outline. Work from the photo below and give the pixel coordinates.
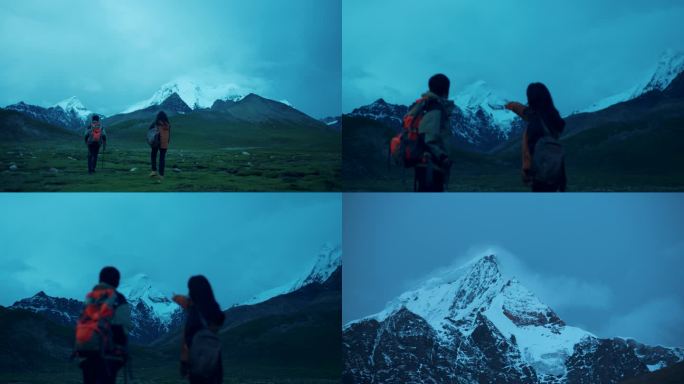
(95, 135)
(407, 148)
(94, 327)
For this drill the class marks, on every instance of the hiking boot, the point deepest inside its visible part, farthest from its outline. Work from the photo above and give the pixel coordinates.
(153, 173)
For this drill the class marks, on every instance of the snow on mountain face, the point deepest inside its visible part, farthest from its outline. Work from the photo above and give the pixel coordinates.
(74, 106)
(382, 111)
(487, 321)
(670, 65)
(480, 96)
(139, 289)
(542, 337)
(196, 96)
(60, 310)
(70, 114)
(328, 260)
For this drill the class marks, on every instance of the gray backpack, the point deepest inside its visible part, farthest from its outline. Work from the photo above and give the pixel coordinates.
(205, 352)
(548, 159)
(153, 136)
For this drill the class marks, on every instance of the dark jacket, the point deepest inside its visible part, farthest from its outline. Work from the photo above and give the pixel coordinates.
(535, 129)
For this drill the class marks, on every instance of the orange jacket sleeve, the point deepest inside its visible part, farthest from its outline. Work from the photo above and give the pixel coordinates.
(518, 108)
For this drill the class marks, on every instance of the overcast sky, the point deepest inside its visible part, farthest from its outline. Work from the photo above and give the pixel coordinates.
(584, 50)
(609, 263)
(244, 243)
(112, 54)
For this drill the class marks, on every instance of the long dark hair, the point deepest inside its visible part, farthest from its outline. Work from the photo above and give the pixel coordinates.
(161, 118)
(540, 101)
(202, 297)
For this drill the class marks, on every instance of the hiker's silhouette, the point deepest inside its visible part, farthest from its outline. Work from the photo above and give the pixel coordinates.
(95, 136)
(201, 351)
(543, 164)
(159, 137)
(422, 143)
(102, 330)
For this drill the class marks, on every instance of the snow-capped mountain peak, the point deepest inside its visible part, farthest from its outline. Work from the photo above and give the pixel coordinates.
(328, 260)
(480, 96)
(479, 288)
(477, 324)
(139, 288)
(194, 94)
(75, 106)
(670, 64)
(474, 95)
(454, 298)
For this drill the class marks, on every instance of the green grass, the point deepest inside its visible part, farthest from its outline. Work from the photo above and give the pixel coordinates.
(210, 156)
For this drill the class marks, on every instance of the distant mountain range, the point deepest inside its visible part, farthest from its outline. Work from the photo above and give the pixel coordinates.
(480, 326)
(69, 113)
(479, 123)
(153, 314)
(177, 97)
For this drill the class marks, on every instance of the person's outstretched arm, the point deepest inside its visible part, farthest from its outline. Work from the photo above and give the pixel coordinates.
(517, 108)
(181, 300)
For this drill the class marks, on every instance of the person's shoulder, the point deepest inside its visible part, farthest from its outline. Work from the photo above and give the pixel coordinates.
(121, 298)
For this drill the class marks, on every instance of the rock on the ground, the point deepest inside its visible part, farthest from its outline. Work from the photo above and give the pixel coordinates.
(53, 170)
(245, 153)
(13, 167)
(176, 170)
(133, 169)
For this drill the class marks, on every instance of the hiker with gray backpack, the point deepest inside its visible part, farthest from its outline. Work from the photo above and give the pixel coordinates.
(95, 136)
(200, 360)
(543, 158)
(102, 331)
(159, 137)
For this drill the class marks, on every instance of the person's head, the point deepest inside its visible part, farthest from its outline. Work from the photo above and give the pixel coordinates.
(161, 118)
(202, 296)
(110, 275)
(539, 97)
(439, 85)
(95, 120)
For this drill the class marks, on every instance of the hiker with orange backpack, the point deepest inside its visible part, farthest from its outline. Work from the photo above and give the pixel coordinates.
(200, 360)
(159, 137)
(102, 330)
(422, 144)
(543, 158)
(95, 136)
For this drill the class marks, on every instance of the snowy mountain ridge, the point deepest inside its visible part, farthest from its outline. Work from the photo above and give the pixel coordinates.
(196, 96)
(670, 65)
(329, 258)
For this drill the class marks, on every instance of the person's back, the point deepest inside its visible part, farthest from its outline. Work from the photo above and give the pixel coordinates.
(159, 138)
(201, 351)
(432, 172)
(95, 136)
(545, 171)
(102, 330)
